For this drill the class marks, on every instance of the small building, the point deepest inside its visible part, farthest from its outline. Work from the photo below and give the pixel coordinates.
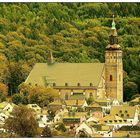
(115, 102)
(42, 119)
(124, 111)
(135, 101)
(35, 107)
(77, 104)
(6, 107)
(105, 104)
(94, 107)
(105, 131)
(92, 119)
(98, 114)
(127, 131)
(86, 128)
(56, 105)
(74, 118)
(115, 121)
(3, 117)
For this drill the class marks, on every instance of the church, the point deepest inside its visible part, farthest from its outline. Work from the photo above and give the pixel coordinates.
(84, 80)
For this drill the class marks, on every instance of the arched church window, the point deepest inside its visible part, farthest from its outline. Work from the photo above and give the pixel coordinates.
(54, 84)
(91, 84)
(111, 78)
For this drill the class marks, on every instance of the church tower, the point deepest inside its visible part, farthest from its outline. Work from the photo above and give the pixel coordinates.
(114, 67)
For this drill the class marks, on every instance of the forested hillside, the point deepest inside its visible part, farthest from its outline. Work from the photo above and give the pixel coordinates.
(76, 32)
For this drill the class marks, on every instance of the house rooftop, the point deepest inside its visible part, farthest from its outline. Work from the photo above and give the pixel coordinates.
(56, 103)
(94, 105)
(129, 128)
(123, 111)
(74, 102)
(77, 115)
(3, 105)
(136, 100)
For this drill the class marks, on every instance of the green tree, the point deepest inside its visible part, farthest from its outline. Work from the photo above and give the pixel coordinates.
(42, 96)
(17, 98)
(130, 89)
(47, 132)
(82, 134)
(22, 122)
(61, 127)
(16, 74)
(3, 92)
(51, 115)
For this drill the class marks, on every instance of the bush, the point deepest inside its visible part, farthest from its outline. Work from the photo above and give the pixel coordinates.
(17, 98)
(61, 127)
(46, 132)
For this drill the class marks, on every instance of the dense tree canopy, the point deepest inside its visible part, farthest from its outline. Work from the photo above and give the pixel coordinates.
(76, 32)
(22, 122)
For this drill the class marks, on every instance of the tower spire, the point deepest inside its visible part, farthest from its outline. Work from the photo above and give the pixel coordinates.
(50, 57)
(113, 24)
(113, 38)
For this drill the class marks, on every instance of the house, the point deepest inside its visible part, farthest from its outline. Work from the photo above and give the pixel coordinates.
(115, 103)
(59, 115)
(84, 80)
(92, 119)
(96, 135)
(127, 131)
(3, 117)
(35, 107)
(74, 118)
(105, 105)
(97, 114)
(6, 107)
(56, 105)
(94, 107)
(77, 104)
(124, 111)
(105, 131)
(135, 101)
(86, 128)
(115, 121)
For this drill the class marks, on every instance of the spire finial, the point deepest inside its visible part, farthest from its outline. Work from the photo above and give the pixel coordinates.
(113, 24)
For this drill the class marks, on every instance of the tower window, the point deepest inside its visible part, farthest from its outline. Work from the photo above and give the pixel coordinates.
(111, 78)
(66, 84)
(78, 84)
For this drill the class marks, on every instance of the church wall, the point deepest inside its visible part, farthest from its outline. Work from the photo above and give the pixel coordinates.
(87, 92)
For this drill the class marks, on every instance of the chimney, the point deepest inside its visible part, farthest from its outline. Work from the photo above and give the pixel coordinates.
(50, 57)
